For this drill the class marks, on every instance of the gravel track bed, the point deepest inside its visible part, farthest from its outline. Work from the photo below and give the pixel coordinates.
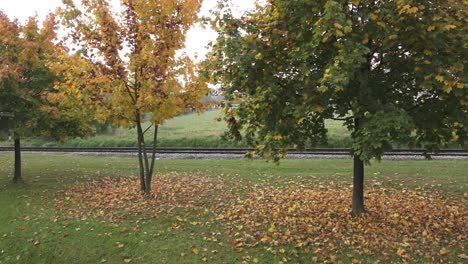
(240, 156)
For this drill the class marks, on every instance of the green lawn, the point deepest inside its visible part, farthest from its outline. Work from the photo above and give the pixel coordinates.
(43, 224)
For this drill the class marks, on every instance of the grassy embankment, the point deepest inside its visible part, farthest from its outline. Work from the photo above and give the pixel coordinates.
(191, 130)
(43, 224)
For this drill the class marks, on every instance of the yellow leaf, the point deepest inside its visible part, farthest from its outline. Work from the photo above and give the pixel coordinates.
(400, 252)
(318, 22)
(337, 25)
(439, 78)
(443, 251)
(323, 88)
(255, 260)
(374, 16)
(278, 137)
(127, 260)
(449, 27)
(428, 52)
(366, 39)
(430, 28)
(196, 251)
(272, 229)
(282, 250)
(413, 10)
(406, 7)
(259, 56)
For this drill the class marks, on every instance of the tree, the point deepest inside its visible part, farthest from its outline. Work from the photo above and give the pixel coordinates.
(27, 85)
(393, 71)
(127, 65)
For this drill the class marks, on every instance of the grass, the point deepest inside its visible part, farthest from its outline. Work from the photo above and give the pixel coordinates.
(190, 130)
(35, 231)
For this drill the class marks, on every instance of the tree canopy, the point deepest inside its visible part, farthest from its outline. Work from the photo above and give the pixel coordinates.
(27, 84)
(393, 71)
(128, 66)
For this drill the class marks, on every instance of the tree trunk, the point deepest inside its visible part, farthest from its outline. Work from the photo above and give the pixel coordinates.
(358, 173)
(140, 153)
(146, 168)
(358, 186)
(146, 164)
(17, 175)
(140, 165)
(153, 153)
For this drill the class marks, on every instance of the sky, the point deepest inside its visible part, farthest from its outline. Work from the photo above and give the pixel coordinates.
(197, 38)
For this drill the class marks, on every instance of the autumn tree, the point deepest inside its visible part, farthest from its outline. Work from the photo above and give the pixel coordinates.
(27, 85)
(393, 71)
(128, 65)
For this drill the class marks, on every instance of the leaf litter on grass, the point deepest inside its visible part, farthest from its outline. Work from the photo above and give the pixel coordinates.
(120, 199)
(400, 225)
(409, 225)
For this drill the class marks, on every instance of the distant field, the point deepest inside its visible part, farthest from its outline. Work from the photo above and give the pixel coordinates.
(191, 130)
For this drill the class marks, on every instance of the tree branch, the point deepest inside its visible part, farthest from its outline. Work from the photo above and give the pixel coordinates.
(342, 119)
(153, 154)
(146, 130)
(127, 87)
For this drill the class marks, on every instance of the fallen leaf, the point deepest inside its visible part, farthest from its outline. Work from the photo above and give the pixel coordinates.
(400, 252)
(443, 251)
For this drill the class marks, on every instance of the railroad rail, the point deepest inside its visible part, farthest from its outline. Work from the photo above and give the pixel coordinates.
(311, 151)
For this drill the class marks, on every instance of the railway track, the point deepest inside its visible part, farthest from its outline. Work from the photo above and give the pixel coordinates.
(234, 151)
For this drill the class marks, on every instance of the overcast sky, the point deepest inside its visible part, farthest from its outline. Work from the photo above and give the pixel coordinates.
(197, 38)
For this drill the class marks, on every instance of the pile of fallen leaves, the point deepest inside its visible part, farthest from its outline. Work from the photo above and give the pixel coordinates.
(406, 224)
(410, 225)
(117, 199)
